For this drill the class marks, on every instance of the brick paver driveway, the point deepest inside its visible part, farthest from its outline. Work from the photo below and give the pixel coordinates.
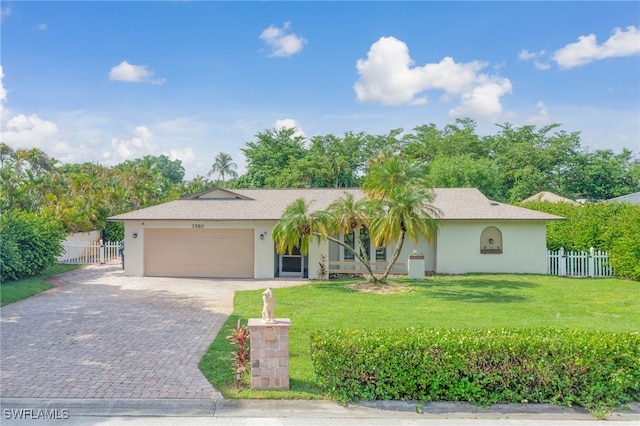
(100, 334)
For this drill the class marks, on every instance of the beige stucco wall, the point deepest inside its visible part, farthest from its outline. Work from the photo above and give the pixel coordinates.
(524, 248)
(316, 250)
(264, 256)
(457, 250)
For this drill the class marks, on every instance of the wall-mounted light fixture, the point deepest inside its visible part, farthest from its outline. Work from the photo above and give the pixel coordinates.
(135, 235)
(490, 240)
(262, 236)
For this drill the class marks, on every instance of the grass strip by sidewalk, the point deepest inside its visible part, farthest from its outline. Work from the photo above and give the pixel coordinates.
(468, 301)
(13, 291)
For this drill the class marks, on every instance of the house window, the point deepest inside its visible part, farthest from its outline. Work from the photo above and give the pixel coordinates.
(491, 241)
(349, 239)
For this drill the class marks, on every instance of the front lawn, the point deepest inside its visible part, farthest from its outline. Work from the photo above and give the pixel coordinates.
(12, 291)
(470, 301)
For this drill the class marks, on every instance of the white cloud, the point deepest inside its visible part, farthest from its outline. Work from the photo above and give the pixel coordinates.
(388, 76)
(525, 55)
(3, 91)
(483, 102)
(185, 155)
(543, 66)
(133, 74)
(42, 27)
(281, 43)
(29, 132)
(542, 116)
(128, 147)
(5, 11)
(586, 49)
(289, 123)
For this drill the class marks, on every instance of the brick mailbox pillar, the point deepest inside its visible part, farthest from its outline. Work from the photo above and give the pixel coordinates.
(269, 353)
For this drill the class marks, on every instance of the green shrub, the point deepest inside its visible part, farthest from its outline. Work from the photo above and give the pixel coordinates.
(30, 243)
(596, 370)
(113, 231)
(612, 227)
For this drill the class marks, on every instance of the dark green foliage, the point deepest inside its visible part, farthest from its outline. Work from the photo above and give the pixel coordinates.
(113, 231)
(596, 370)
(612, 227)
(30, 244)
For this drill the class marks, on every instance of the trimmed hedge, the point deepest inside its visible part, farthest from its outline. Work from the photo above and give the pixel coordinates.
(613, 227)
(596, 370)
(30, 244)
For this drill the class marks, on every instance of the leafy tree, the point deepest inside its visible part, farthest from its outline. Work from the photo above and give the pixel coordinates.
(30, 243)
(465, 171)
(601, 175)
(274, 151)
(224, 166)
(532, 160)
(427, 142)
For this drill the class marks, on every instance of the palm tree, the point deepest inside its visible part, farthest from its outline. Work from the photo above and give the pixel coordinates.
(224, 165)
(387, 171)
(400, 188)
(408, 213)
(350, 215)
(299, 224)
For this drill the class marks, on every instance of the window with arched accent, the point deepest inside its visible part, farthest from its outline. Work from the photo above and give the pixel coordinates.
(491, 241)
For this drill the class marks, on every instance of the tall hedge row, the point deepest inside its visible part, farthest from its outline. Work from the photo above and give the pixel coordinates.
(596, 370)
(29, 244)
(613, 227)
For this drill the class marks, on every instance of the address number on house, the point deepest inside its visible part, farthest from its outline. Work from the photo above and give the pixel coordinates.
(197, 226)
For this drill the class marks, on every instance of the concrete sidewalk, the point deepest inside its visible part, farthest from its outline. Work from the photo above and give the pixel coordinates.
(286, 412)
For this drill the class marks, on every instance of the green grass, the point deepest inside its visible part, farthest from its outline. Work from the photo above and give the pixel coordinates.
(12, 291)
(470, 301)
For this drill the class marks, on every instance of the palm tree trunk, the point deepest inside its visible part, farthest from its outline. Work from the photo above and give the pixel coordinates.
(394, 258)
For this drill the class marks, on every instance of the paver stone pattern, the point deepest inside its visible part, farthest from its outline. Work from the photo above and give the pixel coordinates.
(100, 334)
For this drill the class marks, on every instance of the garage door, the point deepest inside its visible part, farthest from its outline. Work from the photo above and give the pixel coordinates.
(218, 253)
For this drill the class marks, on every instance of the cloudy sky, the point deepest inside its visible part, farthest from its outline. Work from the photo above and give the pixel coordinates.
(111, 81)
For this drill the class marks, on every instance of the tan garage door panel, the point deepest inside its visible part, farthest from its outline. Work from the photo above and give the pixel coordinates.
(220, 253)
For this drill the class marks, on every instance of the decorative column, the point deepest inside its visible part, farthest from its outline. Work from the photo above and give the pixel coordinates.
(269, 353)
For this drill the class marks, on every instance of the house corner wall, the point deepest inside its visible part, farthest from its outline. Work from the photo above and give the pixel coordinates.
(264, 252)
(524, 248)
(134, 249)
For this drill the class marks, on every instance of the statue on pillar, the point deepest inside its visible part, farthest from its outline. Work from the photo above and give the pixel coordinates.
(268, 305)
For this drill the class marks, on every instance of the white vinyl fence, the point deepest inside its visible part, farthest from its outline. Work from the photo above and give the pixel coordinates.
(88, 252)
(593, 263)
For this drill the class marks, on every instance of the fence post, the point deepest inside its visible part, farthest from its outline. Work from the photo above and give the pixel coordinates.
(562, 266)
(101, 252)
(592, 262)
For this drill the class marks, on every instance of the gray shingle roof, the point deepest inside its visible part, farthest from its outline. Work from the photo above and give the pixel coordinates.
(629, 198)
(269, 204)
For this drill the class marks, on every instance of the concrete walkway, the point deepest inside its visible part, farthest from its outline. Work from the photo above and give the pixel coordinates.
(307, 413)
(100, 334)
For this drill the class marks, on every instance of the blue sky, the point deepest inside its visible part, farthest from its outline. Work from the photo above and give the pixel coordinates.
(111, 81)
